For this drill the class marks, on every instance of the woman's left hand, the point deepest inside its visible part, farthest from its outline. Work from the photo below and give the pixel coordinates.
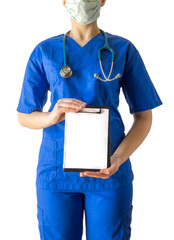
(105, 172)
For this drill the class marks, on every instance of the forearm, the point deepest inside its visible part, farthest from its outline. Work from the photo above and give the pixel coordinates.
(38, 120)
(136, 135)
(35, 120)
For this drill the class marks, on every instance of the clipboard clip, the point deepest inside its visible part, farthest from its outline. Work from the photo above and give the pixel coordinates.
(90, 110)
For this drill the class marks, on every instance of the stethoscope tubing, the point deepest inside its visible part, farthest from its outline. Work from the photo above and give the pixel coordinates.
(105, 47)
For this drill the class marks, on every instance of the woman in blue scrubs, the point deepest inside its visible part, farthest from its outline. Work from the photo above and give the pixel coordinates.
(105, 196)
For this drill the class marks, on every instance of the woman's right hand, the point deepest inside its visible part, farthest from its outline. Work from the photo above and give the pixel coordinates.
(65, 105)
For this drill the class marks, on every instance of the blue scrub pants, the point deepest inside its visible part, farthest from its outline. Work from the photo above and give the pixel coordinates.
(108, 214)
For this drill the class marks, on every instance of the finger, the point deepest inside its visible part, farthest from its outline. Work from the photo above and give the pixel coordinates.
(68, 109)
(94, 174)
(72, 106)
(77, 100)
(65, 109)
(72, 100)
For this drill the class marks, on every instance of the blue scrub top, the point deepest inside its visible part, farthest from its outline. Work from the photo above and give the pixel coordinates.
(42, 74)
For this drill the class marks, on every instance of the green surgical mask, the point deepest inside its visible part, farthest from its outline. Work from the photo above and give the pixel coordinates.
(84, 11)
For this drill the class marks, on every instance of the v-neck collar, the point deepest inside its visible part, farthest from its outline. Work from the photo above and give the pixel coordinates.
(88, 44)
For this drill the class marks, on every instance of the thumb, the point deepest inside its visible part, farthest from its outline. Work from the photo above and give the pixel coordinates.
(111, 170)
(104, 170)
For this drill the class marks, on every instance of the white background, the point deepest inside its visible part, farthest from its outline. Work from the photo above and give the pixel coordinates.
(148, 24)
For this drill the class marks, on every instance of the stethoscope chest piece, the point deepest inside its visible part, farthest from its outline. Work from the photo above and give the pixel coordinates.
(66, 72)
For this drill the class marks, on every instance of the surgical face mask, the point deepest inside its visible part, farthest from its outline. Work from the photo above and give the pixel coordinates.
(84, 11)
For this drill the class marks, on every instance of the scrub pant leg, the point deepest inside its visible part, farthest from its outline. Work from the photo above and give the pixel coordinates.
(60, 215)
(108, 214)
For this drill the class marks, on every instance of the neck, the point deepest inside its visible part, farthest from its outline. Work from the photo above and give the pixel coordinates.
(83, 32)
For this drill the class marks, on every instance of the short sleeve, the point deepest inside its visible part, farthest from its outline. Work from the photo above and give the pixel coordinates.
(137, 86)
(35, 87)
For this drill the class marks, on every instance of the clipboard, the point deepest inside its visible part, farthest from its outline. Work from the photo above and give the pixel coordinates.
(87, 139)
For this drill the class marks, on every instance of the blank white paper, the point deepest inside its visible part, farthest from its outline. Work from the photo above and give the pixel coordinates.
(86, 140)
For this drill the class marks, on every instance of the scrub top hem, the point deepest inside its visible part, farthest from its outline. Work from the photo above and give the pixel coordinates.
(83, 186)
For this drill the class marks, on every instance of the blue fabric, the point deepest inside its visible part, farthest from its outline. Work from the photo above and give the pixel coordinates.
(108, 214)
(43, 74)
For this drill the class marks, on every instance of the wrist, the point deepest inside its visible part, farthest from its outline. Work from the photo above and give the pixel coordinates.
(117, 159)
(54, 117)
(50, 119)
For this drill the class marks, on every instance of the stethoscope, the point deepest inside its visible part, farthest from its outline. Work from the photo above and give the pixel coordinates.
(66, 71)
